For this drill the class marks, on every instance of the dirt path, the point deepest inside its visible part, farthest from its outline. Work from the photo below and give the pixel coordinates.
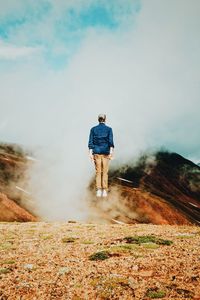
(55, 261)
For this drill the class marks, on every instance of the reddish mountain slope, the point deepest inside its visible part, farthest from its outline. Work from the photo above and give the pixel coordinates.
(169, 176)
(163, 188)
(13, 166)
(10, 211)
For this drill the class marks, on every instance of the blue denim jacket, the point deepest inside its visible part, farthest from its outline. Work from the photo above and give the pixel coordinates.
(101, 139)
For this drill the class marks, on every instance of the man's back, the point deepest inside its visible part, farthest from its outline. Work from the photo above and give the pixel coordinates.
(101, 139)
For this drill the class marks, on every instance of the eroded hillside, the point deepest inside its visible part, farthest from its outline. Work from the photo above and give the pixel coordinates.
(13, 167)
(163, 188)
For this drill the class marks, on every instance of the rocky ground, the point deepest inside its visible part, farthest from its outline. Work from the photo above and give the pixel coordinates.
(69, 260)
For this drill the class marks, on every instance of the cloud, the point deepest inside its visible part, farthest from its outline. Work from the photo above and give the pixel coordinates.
(60, 27)
(12, 52)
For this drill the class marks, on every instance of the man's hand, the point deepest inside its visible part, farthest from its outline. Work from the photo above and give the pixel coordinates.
(91, 156)
(111, 154)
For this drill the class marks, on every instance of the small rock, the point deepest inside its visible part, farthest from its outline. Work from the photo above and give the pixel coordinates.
(145, 273)
(185, 234)
(135, 268)
(132, 283)
(24, 284)
(63, 270)
(28, 266)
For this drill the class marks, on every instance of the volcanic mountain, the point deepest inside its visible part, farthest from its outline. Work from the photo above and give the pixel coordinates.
(13, 166)
(159, 188)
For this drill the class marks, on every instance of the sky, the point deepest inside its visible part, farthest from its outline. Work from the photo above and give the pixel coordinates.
(64, 62)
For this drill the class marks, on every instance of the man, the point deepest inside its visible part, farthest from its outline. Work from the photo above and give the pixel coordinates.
(101, 148)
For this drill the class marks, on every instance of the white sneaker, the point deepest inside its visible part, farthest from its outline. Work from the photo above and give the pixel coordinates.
(99, 193)
(104, 193)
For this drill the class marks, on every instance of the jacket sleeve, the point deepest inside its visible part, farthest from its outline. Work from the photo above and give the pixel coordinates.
(110, 138)
(90, 142)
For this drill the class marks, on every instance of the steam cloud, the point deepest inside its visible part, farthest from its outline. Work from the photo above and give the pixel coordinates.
(145, 78)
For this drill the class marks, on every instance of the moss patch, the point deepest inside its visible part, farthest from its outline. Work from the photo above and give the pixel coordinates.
(146, 239)
(46, 237)
(155, 294)
(87, 242)
(8, 262)
(122, 248)
(150, 246)
(4, 270)
(7, 246)
(69, 239)
(101, 255)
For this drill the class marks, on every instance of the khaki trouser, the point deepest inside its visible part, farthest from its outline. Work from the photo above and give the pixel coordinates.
(101, 165)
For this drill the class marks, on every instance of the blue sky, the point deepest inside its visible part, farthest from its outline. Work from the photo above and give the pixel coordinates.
(58, 28)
